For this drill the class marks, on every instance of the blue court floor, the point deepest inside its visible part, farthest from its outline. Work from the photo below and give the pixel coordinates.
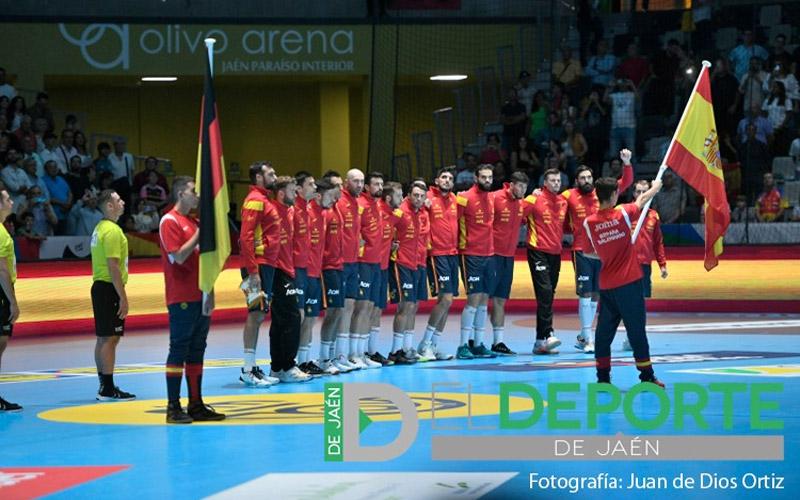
(66, 445)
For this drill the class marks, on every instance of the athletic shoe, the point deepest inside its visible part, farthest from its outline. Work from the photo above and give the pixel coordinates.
(412, 354)
(657, 382)
(251, 379)
(464, 352)
(311, 369)
(426, 353)
(176, 415)
(546, 346)
(292, 375)
(201, 412)
(480, 351)
(370, 364)
(589, 349)
(115, 395)
(8, 407)
(501, 349)
(584, 345)
(356, 361)
(329, 368)
(626, 345)
(378, 358)
(263, 376)
(440, 355)
(341, 363)
(399, 358)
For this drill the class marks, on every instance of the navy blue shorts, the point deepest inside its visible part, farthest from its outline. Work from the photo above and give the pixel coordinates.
(368, 276)
(313, 297)
(267, 274)
(503, 270)
(443, 274)
(301, 285)
(350, 280)
(332, 288)
(403, 283)
(587, 274)
(477, 273)
(647, 280)
(383, 290)
(422, 284)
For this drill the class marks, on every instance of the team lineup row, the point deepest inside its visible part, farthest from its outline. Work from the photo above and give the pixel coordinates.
(338, 244)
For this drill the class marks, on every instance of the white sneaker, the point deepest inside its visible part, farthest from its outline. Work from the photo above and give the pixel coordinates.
(426, 353)
(263, 376)
(357, 362)
(584, 345)
(626, 345)
(546, 346)
(412, 354)
(341, 363)
(329, 368)
(441, 355)
(251, 380)
(369, 363)
(589, 347)
(294, 374)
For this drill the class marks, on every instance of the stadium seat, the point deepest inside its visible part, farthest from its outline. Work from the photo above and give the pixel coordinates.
(791, 191)
(784, 166)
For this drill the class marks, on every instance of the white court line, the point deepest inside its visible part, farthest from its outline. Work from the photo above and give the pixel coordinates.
(732, 325)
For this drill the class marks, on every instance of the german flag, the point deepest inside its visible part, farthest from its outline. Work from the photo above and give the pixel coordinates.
(694, 156)
(215, 239)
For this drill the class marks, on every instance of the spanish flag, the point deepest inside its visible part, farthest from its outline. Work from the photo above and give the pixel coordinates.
(215, 238)
(694, 155)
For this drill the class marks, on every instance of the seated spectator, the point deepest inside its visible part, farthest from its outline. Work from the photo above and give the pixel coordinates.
(15, 113)
(50, 151)
(741, 212)
(770, 205)
(41, 110)
(493, 152)
(6, 89)
(102, 163)
(741, 54)
(538, 116)
(66, 150)
(153, 194)
(27, 229)
(29, 152)
(80, 146)
(755, 159)
(524, 159)
(60, 195)
(602, 66)
(670, 202)
(763, 127)
(15, 178)
(634, 67)
(145, 218)
(150, 165)
(568, 70)
(574, 146)
(29, 166)
(779, 108)
(84, 215)
(25, 130)
(44, 218)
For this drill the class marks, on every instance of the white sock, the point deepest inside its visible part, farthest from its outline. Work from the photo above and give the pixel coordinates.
(480, 324)
(594, 312)
(373, 339)
(363, 338)
(342, 344)
(302, 354)
(498, 334)
(397, 341)
(249, 359)
(428, 336)
(354, 337)
(308, 355)
(325, 350)
(408, 340)
(585, 315)
(437, 336)
(467, 321)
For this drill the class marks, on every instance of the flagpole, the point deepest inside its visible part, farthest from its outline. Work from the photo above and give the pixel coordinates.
(664, 166)
(208, 302)
(210, 49)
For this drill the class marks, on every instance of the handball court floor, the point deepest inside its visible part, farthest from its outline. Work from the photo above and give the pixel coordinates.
(67, 445)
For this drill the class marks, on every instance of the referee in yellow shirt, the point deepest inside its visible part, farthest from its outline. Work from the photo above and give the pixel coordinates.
(109, 301)
(9, 311)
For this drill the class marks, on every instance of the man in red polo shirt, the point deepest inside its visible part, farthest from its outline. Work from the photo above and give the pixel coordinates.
(346, 340)
(509, 215)
(369, 269)
(189, 313)
(258, 247)
(284, 329)
(442, 260)
(582, 202)
(546, 214)
(476, 245)
(770, 205)
(621, 294)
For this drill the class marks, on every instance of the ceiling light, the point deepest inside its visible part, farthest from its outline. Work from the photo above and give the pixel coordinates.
(448, 78)
(159, 78)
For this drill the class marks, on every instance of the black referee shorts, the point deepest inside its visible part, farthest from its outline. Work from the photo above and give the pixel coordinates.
(6, 328)
(105, 304)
